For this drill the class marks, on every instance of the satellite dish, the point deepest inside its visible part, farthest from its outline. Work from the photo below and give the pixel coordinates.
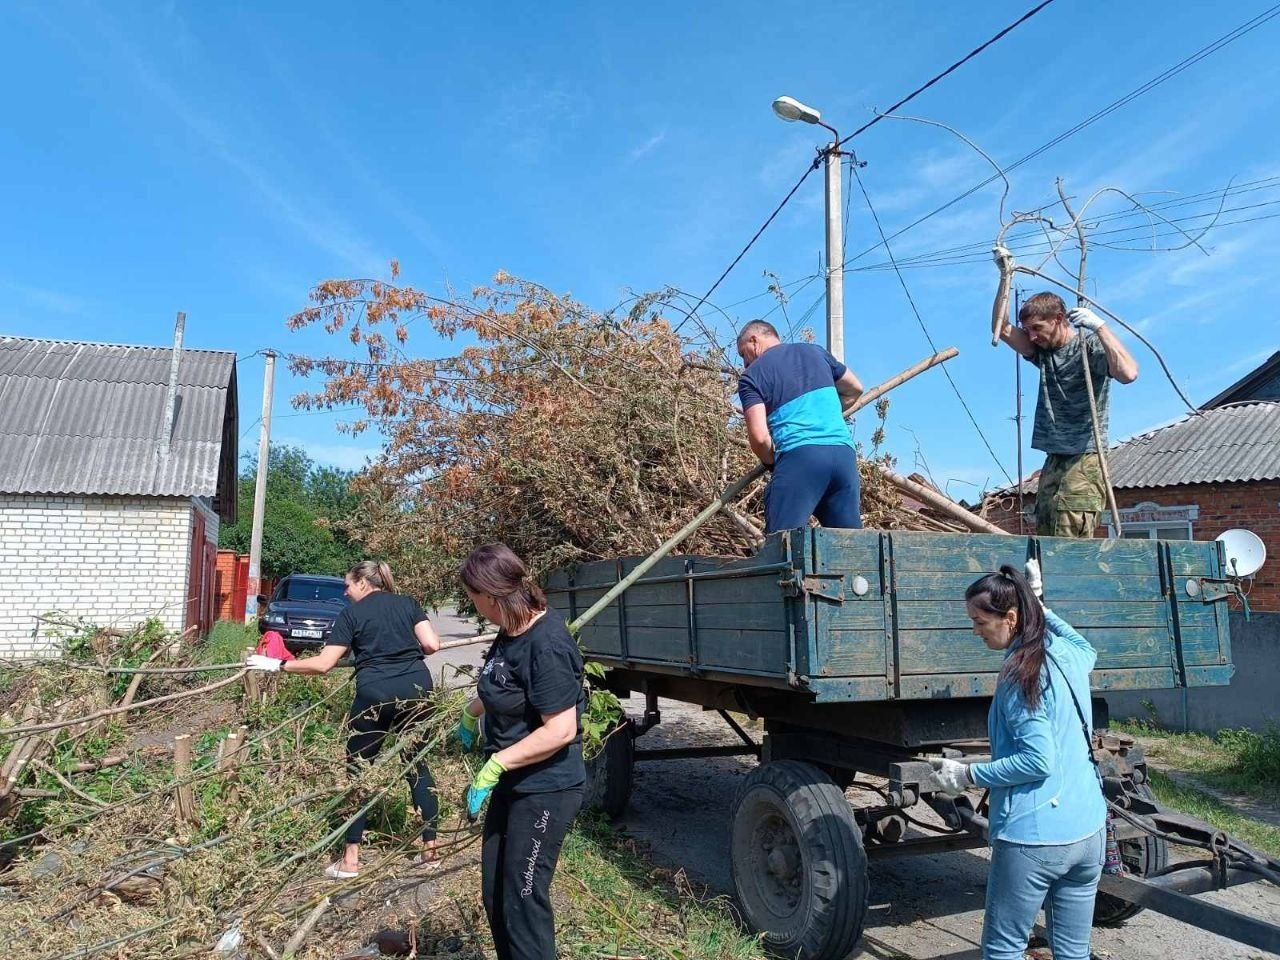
(1244, 550)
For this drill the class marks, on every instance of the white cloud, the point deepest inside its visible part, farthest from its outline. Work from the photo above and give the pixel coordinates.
(306, 217)
(649, 145)
(43, 298)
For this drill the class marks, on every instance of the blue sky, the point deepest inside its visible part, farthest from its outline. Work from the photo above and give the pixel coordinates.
(221, 158)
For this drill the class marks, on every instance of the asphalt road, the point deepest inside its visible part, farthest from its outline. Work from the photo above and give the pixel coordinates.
(921, 908)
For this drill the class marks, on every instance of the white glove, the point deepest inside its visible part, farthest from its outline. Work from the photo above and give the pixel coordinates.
(1085, 319)
(952, 774)
(258, 661)
(1034, 580)
(1000, 254)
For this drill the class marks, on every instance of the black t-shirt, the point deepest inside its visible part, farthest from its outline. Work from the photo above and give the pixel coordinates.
(379, 631)
(523, 679)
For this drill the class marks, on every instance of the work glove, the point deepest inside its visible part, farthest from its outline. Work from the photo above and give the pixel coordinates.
(482, 786)
(952, 774)
(1034, 580)
(258, 661)
(1000, 254)
(468, 731)
(1085, 319)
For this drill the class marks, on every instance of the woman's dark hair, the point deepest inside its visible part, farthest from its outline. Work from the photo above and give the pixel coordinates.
(997, 594)
(495, 571)
(375, 573)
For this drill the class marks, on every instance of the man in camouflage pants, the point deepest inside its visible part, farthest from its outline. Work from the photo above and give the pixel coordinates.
(1071, 492)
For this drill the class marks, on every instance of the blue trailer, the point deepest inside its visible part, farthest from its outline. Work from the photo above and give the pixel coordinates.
(854, 650)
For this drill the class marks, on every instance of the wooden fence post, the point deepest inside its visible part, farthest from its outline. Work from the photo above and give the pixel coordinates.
(252, 683)
(184, 801)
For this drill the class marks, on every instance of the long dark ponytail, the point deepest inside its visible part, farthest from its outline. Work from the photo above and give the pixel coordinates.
(997, 594)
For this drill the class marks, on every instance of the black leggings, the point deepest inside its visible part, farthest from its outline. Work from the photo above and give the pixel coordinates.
(382, 708)
(522, 838)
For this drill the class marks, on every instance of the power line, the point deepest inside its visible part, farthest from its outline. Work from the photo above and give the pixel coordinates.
(866, 126)
(920, 320)
(1228, 38)
(1044, 246)
(742, 253)
(983, 247)
(951, 69)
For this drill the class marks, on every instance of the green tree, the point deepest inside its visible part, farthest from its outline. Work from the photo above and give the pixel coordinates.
(303, 528)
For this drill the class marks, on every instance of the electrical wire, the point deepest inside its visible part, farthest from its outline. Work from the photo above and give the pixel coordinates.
(920, 320)
(951, 69)
(862, 129)
(743, 252)
(1205, 51)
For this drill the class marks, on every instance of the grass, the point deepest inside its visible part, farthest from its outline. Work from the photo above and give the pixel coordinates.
(1197, 803)
(226, 642)
(611, 889)
(1240, 761)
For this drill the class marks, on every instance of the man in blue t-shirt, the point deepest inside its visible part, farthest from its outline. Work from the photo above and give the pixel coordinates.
(793, 397)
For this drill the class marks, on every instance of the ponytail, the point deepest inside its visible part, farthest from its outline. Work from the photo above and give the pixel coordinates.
(384, 574)
(997, 594)
(375, 573)
(495, 571)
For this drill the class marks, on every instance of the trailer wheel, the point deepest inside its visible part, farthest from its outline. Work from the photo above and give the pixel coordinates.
(609, 773)
(1141, 857)
(798, 865)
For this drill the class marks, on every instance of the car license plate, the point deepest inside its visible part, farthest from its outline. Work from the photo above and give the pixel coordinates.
(309, 634)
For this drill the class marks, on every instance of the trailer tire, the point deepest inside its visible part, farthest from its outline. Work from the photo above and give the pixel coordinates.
(1141, 857)
(798, 865)
(610, 772)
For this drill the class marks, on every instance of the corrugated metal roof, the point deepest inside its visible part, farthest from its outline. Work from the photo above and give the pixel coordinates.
(1233, 443)
(86, 418)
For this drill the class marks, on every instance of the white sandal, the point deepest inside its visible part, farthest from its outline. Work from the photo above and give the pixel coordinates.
(334, 871)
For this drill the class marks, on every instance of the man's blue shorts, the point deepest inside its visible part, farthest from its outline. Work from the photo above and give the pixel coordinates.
(817, 480)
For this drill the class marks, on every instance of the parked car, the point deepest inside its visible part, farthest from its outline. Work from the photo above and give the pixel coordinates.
(303, 608)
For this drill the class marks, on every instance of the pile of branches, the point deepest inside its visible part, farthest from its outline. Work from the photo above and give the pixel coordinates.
(567, 433)
(99, 855)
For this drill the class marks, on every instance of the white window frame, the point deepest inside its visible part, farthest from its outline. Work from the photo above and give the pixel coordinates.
(1150, 517)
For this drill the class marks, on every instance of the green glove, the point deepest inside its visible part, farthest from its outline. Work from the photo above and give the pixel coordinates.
(483, 785)
(468, 731)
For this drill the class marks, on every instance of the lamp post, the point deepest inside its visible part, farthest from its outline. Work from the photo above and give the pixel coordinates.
(790, 109)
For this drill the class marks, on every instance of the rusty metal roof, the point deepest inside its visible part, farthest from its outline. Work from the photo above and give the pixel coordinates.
(1232, 443)
(86, 418)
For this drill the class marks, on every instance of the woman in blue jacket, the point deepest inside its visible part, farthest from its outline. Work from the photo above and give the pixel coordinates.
(1048, 817)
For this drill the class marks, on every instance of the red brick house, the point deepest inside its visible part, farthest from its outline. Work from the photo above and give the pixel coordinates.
(1210, 471)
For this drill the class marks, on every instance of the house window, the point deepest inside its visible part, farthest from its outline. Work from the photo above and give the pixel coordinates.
(1152, 521)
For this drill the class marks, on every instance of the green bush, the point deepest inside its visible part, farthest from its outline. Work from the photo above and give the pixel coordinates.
(1257, 755)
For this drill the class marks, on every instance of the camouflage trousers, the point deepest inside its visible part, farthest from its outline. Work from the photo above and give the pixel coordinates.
(1070, 495)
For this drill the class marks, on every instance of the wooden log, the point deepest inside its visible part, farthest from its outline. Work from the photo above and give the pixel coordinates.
(183, 799)
(944, 505)
(300, 935)
(227, 758)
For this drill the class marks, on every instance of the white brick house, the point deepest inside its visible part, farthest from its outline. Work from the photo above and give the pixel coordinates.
(101, 519)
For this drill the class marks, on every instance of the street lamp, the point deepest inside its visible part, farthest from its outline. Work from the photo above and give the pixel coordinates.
(790, 109)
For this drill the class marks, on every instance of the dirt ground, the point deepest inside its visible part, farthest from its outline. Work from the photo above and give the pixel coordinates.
(921, 908)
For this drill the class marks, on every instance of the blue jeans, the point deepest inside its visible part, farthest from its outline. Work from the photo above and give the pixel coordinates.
(1061, 877)
(819, 480)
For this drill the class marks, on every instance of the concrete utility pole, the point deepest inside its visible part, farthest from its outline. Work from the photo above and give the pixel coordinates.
(790, 109)
(260, 493)
(835, 254)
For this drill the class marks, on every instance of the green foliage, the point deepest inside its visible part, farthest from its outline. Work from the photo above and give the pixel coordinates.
(303, 528)
(1242, 760)
(600, 716)
(1257, 755)
(226, 642)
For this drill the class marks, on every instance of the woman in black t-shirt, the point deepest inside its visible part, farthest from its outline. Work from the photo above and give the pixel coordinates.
(531, 696)
(387, 634)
